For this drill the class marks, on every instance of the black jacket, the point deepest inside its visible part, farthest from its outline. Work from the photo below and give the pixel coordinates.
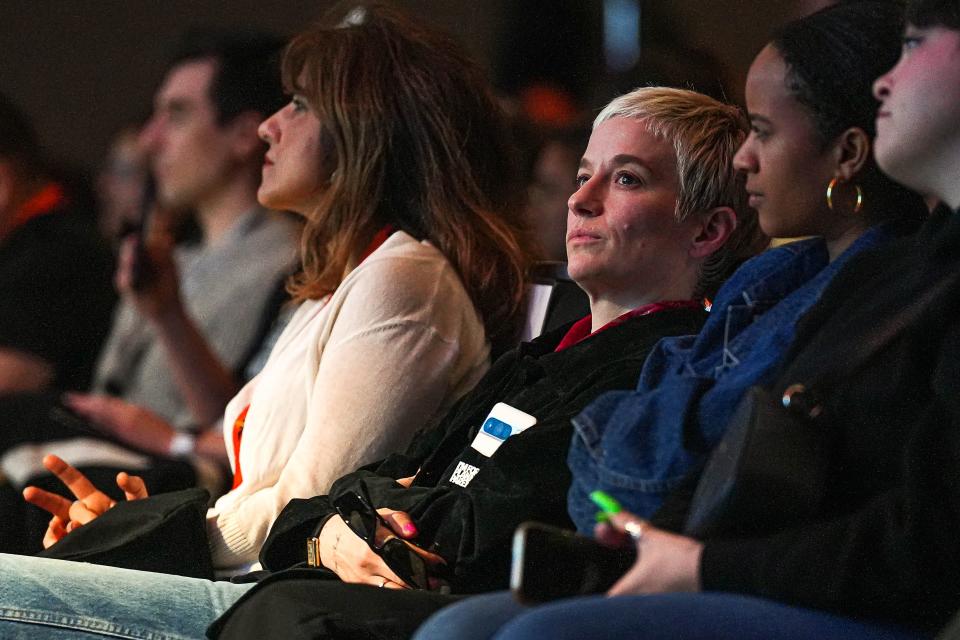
(886, 545)
(56, 294)
(526, 479)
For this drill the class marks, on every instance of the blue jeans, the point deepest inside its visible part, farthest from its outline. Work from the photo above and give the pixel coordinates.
(56, 599)
(690, 616)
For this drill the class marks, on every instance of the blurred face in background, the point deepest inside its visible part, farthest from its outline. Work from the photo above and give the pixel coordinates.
(121, 183)
(192, 155)
(547, 194)
(295, 168)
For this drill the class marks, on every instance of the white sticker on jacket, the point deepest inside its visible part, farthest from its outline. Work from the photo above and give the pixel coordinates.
(463, 474)
(504, 421)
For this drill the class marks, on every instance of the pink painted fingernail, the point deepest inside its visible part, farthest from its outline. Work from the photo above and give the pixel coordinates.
(409, 529)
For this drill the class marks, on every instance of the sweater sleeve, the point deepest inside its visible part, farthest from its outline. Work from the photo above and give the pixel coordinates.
(387, 368)
(894, 558)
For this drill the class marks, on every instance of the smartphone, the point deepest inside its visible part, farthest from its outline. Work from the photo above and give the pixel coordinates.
(551, 563)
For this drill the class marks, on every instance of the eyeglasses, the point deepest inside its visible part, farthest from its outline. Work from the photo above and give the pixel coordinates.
(364, 521)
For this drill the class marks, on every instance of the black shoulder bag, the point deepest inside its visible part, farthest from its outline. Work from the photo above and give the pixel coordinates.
(772, 464)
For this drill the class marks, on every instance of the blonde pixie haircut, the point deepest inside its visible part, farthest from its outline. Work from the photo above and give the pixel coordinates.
(705, 134)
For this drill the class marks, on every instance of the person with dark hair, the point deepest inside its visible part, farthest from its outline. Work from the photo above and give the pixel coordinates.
(409, 250)
(636, 250)
(555, 160)
(121, 185)
(809, 172)
(54, 273)
(175, 353)
(869, 556)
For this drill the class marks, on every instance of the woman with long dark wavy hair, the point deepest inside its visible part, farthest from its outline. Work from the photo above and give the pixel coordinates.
(648, 229)
(394, 151)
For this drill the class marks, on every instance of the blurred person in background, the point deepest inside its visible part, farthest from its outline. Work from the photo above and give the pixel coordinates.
(122, 184)
(55, 284)
(550, 186)
(179, 340)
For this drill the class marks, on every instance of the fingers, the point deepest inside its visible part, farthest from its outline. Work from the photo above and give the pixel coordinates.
(55, 531)
(629, 524)
(384, 583)
(56, 505)
(69, 475)
(133, 487)
(400, 523)
(78, 484)
(125, 258)
(406, 482)
(383, 571)
(610, 536)
(389, 584)
(430, 557)
(81, 514)
(77, 401)
(97, 409)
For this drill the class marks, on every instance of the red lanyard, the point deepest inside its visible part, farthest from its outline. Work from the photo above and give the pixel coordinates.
(581, 328)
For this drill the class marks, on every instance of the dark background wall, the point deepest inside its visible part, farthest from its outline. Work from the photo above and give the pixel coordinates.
(84, 68)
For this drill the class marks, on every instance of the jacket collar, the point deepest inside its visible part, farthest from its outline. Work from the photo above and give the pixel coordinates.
(623, 341)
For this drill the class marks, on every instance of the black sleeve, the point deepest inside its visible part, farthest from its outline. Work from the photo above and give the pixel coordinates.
(56, 299)
(471, 527)
(285, 546)
(895, 558)
(32, 283)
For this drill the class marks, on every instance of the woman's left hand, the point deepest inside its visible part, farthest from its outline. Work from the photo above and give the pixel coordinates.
(89, 505)
(351, 558)
(665, 561)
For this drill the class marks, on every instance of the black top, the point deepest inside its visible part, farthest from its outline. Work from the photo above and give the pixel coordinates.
(525, 479)
(887, 542)
(56, 294)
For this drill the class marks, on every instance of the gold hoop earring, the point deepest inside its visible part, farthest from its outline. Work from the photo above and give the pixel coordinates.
(834, 183)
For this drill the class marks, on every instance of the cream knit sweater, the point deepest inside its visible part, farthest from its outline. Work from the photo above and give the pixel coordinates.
(351, 379)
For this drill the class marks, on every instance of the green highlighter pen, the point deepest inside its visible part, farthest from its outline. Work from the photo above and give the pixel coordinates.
(607, 503)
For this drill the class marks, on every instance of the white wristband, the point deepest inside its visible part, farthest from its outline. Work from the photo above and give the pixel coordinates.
(182, 445)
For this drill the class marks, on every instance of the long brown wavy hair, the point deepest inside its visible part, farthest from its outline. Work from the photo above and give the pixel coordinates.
(417, 141)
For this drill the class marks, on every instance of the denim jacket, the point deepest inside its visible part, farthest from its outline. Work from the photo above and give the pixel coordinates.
(639, 445)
